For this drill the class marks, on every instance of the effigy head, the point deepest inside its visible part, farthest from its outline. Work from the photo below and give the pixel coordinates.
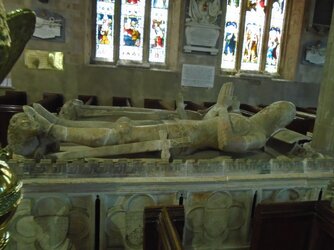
(70, 109)
(22, 135)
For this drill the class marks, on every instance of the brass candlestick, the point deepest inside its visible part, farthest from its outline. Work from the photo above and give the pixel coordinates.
(10, 197)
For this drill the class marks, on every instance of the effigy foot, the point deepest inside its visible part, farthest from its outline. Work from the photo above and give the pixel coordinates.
(43, 124)
(45, 113)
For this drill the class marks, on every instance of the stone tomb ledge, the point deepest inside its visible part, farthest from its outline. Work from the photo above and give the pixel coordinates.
(28, 168)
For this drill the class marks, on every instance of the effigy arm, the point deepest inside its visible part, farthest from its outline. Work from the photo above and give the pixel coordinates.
(162, 145)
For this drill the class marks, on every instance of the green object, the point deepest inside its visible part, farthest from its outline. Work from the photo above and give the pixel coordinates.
(4, 36)
(16, 29)
(4, 154)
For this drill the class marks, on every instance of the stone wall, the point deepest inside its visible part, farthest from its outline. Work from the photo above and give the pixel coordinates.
(81, 78)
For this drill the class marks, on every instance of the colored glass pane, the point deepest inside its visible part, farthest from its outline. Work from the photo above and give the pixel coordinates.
(275, 34)
(132, 30)
(231, 33)
(104, 30)
(253, 33)
(158, 30)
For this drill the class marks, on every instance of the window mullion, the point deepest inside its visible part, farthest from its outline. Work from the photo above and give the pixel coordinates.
(240, 42)
(146, 40)
(117, 31)
(284, 32)
(265, 37)
(93, 35)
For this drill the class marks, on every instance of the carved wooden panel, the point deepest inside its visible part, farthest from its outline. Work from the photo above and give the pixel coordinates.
(293, 226)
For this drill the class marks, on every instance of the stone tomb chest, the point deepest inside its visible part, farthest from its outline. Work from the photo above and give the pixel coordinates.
(99, 204)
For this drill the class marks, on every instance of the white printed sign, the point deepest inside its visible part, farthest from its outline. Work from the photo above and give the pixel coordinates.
(198, 75)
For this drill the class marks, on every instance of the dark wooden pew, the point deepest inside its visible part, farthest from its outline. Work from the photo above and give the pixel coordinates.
(163, 227)
(121, 101)
(305, 225)
(12, 97)
(88, 99)
(10, 104)
(189, 105)
(52, 102)
(159, 104)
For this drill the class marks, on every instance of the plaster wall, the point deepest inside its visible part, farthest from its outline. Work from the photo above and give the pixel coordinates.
(81, 78)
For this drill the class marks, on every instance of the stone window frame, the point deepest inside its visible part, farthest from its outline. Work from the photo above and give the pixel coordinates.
(290, 44)
(289, 58)
(170, 54)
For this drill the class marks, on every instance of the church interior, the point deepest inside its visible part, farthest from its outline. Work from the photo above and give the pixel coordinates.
(166, 124)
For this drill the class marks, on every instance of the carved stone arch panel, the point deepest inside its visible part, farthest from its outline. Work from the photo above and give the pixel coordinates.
(122, 218)
(217, 218)
(52, 221)
(288, 194)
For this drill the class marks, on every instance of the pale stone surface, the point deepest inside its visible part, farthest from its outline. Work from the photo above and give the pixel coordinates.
(204, 12)
(76, 110)
(124, 218)
(201, 38)
(218, 195)
(52, 222)
(323, 136)
(219, 130)
(217, 219)
(201, 29)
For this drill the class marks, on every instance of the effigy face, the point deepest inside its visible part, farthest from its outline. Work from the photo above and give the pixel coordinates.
(22, 135)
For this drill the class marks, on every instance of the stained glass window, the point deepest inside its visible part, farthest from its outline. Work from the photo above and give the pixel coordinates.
(231, 33)
(258, 26)
(133, 25)
(275, 35)
(254, 23)
(132, 30)
(105, 29)
(158, 30)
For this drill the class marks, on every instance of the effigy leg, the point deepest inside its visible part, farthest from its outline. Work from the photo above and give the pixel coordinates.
(162, 145)
(93, 137)
(88, 124)
(76, 110)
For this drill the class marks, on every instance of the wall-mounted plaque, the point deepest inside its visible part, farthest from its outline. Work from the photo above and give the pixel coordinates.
(315, 53)
(39, 59)
(49, 26)
(198, 75)
(202, 28)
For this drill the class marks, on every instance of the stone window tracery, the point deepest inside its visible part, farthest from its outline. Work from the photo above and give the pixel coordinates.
(131, 31)
(253, 35)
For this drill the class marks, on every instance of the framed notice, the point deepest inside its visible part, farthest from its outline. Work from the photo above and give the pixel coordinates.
(198, 76)
(49, 26)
